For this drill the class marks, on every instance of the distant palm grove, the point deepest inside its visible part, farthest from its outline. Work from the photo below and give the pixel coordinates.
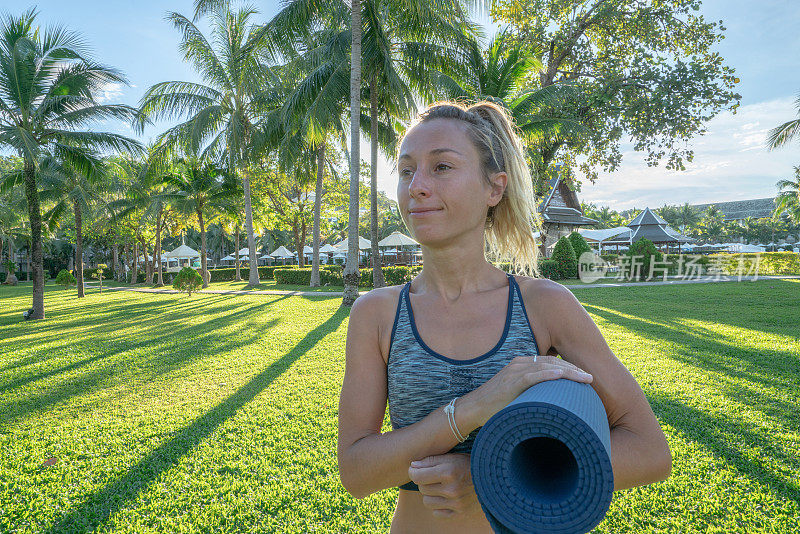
(263, 151)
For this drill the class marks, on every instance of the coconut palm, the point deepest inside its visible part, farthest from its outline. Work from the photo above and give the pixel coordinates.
(144, 189)
(203, 190)
(71, 189)
(788, 199)
(500, 73)
(12, 209)
(227, 109)
(783, 134)
(687, 216)
(47, 87)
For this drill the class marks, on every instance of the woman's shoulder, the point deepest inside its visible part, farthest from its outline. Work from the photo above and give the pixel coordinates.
(540, 288)
(378, 308)
(380, 297)
(548, 303)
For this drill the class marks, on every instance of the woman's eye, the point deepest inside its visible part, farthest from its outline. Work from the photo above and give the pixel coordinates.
(406, 172)
(442, 167)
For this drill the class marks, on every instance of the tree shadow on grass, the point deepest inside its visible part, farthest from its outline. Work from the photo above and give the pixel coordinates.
(759, 369)
(745, 305)
(100, 505)
(719, 434)
(170, 337)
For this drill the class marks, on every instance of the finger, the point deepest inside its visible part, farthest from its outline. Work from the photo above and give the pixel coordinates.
(579, 376)
(429, 461)
(426, 475)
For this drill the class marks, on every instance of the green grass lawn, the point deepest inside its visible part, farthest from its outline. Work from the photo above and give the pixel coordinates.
(216, 413)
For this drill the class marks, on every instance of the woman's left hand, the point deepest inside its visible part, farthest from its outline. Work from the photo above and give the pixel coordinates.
(445, 482)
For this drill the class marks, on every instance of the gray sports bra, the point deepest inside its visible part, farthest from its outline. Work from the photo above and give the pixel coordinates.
(420, 380)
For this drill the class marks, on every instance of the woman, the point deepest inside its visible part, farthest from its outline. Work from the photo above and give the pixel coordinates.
(463, 183)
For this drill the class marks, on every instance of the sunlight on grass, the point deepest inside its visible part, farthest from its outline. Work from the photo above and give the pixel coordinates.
(163, 412)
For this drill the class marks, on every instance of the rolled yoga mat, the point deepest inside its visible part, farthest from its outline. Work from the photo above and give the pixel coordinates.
(543, 463)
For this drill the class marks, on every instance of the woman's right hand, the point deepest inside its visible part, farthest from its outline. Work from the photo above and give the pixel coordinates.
(517, 376)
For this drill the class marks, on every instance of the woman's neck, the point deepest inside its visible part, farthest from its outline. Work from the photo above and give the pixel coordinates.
(451, 272)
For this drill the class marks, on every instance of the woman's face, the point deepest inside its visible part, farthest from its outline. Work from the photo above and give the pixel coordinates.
(441, 188)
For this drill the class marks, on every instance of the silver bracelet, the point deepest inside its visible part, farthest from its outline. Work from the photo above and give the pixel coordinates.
(450, 410)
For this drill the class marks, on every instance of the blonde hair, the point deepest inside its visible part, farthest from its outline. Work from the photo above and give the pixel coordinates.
(510, 225)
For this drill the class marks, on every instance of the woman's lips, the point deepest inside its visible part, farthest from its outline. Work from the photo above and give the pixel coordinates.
(424, 213)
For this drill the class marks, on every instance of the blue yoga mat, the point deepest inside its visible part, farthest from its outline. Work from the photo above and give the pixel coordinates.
(543, 464)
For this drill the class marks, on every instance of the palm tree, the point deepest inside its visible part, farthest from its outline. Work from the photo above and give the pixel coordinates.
(788, 199)
(70, 189)
(200, 189)
(225, 111)
(46, 94)
(12, 208)
(144, 189)
(312, 111)
(787, 131)
(688, 216)
(231, 221)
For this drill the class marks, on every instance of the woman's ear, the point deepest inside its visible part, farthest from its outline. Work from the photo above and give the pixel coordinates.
(498, 182)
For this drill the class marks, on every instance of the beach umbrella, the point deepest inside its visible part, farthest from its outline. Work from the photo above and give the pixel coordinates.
(363, 244)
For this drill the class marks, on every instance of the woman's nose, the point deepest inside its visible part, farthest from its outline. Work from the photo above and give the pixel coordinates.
(420, 184)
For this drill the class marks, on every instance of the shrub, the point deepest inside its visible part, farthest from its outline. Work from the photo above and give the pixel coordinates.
(98, 272)
(228, 274)
(564, 256)
(187, 280)
(549, 269)
(10, 266)
(646, 248)
(394, 275)
(108, 273)
(139, 278)
(579, 244)
(65, 278)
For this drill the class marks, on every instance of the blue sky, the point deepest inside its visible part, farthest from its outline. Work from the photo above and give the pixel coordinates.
(730, 161)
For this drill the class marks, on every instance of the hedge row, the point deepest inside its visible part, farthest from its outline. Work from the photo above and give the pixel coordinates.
(333, 277)
(769, 263)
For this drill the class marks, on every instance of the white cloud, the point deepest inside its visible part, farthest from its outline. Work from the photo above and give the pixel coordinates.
(109, 92)
(731, 162)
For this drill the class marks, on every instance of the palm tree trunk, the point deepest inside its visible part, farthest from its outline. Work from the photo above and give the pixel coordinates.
(351, 275)
(158, 247)
(238, 245)
(149, 266)
(78, 249)
(115, 260)
(317, 203)
(135, 270)
(35, 216)
(251, 239)
(203, 267)
(377, 272)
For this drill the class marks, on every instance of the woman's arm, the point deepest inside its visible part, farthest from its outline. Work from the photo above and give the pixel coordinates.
(368, 460)
(639, 451)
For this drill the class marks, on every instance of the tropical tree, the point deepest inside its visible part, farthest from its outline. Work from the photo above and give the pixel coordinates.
(227, 109)
(12, 210)
(649, 71)
(783, 134)
(47, 87)
(687, 216)
(788, 199)
(145, 192)
(75, 190)
(200, 189)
